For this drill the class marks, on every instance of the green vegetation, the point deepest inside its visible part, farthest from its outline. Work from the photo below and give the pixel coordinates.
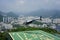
(38, 23)
(3, 36)
(22, 28)
(27, 28)
(49, 30)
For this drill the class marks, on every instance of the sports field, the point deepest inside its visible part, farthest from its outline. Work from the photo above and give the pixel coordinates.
(33, 35)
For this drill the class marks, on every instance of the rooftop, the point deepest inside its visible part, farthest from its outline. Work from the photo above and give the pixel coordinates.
(32, 35)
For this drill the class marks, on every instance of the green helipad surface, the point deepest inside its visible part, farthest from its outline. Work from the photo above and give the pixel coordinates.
(33, 35)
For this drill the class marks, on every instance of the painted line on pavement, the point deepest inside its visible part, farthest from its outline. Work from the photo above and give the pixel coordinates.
(49, 35)
(25, 36)
(11, 36)
(20, 36)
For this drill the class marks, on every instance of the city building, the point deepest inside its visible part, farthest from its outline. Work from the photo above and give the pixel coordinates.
(7, 19)
(4, 26)
(56, 21)
(46, 20)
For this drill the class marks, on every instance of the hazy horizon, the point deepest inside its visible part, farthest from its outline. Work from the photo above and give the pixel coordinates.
(26, 6)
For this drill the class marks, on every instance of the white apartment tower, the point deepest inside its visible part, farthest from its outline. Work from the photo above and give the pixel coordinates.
(7, 19)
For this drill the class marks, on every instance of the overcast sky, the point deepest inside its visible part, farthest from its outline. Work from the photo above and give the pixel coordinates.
(28, 5)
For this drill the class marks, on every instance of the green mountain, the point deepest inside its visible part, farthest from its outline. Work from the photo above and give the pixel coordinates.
(45, 13)
(11, 14)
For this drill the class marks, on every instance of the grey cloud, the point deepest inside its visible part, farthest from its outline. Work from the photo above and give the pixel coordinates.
(29, 5)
